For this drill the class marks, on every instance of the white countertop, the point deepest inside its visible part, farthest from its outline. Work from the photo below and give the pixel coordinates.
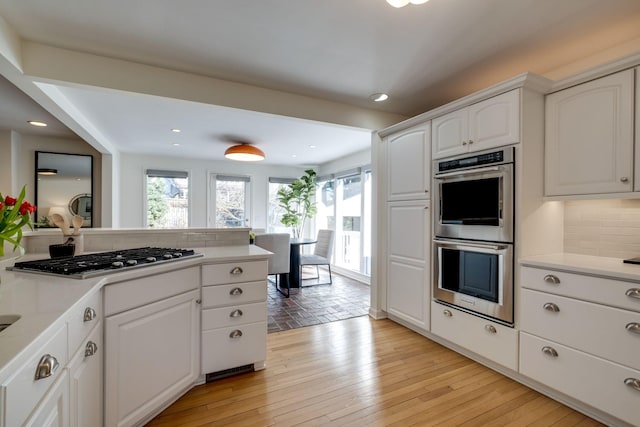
(43, 301)
(585, 264)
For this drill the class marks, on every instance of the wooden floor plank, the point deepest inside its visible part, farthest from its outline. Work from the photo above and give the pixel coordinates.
(360, 372)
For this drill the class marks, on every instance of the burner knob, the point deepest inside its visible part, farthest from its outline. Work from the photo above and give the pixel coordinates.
(151, 258)
(167, 256)
(132, 262)
(119, 256)
(177, 254)
(117, 264)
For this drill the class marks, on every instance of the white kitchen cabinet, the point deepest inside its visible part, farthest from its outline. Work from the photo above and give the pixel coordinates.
(580, 344)
(494, 122)
(86, 381)
(53, 410)
(636, 184)
(488, 339)
(152, 351)
(409, 256)
(589, 145)
(408, 163)
(234, 316)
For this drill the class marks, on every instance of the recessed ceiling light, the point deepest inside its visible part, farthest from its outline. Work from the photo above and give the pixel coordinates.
(176, 144)
(37, 123)
(294, 155)
(312, 146)
(379, 97)
(176, 130)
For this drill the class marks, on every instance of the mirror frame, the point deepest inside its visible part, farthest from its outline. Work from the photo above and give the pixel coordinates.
(38, 212)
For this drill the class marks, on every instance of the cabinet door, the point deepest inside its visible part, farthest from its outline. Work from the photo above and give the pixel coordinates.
(152, 354)
(85, 373)
(449, 134)
(409, 242)
(53, 410)
(495, 122)
(636, 185)
(408, 167)
(589, 137)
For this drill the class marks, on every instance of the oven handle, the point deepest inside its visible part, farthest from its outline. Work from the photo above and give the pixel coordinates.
(469, 172)
(471, 245)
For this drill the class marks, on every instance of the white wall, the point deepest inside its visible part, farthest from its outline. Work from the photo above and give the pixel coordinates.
(132, 185)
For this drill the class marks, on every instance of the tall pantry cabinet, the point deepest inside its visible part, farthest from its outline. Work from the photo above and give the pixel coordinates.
(408, 225)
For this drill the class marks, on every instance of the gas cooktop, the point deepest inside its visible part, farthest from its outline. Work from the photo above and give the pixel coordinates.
(98, 264)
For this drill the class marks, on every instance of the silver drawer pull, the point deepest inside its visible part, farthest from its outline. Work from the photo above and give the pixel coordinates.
(90, 349)
(89, 314)
(235, 291)
(447, 313)
(549, 351)
(235, 334)
(633, 293)
(550, 278)
(634, 383)
(491, 329)
(47, 366)
(633, 327)
(236, 270)
(236, 313)
(551, 307)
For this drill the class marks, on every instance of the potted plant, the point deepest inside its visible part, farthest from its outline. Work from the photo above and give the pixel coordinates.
(297, 201)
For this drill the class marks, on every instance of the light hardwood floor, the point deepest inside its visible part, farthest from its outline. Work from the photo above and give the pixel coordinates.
(362, 372)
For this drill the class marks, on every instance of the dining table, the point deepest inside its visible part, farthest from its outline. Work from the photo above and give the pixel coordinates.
(295, 277)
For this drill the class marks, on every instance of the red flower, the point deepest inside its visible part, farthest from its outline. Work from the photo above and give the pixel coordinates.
(1, 206)
(10, 201)
(26, 208)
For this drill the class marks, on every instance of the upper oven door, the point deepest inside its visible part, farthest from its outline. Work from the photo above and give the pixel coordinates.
(475, 204)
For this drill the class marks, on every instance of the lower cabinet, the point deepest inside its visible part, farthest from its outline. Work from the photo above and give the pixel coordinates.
(488, 339)
(53, 410)
(152, 355)
(85, 380)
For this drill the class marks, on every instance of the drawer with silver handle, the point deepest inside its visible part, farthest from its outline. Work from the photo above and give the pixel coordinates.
(226, 348)
(244, 271)
(223, 317)
(608, 332)
(616, 293)
(234, 294)
(84, 317)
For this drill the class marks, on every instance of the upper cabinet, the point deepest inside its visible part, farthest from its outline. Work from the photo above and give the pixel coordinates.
(589, 137)
(408, 163)
(491, 123)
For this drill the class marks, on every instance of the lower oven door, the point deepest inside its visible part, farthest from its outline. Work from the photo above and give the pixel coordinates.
(476, 277)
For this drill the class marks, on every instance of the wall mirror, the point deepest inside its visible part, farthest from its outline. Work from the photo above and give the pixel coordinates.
(64, 185)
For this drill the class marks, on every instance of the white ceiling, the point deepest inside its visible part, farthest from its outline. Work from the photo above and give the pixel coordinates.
(340, 50)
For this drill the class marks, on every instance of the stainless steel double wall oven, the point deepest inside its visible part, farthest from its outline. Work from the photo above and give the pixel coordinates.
(474, 232)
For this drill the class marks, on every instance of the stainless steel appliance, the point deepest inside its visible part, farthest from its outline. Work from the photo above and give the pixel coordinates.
(97, 264)
(474, 196)
(474, 233)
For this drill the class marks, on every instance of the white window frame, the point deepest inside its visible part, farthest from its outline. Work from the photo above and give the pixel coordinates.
(168, 174)
(211, 214)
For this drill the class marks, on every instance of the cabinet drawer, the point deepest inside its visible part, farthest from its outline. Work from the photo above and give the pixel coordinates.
(220, 350)
(488, 339)
(587, 378)
(589, 327)
(234, 294)
(22, 391)
(83, 318)
(589, 288)
(233, 315)
(236, 272)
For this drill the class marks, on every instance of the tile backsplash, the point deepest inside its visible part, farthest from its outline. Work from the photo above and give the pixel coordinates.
(609, 228)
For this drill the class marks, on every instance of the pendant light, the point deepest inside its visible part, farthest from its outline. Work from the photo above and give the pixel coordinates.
(402, 3)
(244, 152)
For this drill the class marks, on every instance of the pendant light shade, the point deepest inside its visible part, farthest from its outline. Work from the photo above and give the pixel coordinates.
(402, 3)
(244, 153)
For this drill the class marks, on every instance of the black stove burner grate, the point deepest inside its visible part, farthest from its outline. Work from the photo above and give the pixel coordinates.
(104, 262)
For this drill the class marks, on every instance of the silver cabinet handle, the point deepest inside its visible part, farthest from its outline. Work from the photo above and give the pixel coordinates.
(633, 327)
(470, 141)
(624, 179)
(89, 314)
(198, 301)
(634, 383)
(550, 278)
(549, 351)
(491, 329)
(633, 293)
(235, 291)
(47, 366)
(464, 142)
(90, 349)
(236, 270)
(235, 334)
(549, 306)
(236, 313)
(447, 313)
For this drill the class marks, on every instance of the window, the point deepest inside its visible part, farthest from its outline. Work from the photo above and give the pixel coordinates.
(274, 211)
(348, 213)
(231, 201)
(167, 199)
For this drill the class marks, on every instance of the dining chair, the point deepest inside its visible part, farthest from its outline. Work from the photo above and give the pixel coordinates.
(278, 243)
(321, 256)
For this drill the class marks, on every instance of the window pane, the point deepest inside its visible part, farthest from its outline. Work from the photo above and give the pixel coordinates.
(366, 230)
(274, 214)
(167, 200)
(348, 212)
(230, 203)
(325, 203)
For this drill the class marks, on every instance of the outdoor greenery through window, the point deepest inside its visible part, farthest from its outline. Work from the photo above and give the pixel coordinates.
(275, 211)
(167, 199)
(232, 201)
